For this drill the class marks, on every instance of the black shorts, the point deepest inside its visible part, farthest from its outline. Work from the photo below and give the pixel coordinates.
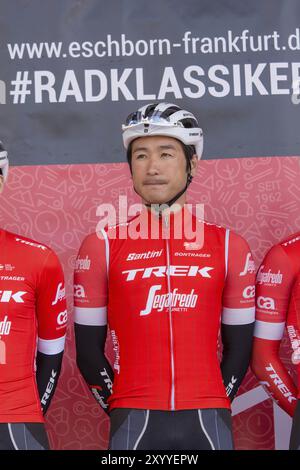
(23, 436)
(203, 429)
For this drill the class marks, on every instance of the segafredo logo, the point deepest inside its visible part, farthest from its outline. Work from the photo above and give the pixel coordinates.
(60, 294)
(82, 264)
(5, 326)
(173, 299)
(267, 277)
(162, 271)
(249, 266)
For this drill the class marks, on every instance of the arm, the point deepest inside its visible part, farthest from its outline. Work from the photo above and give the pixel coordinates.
(238, 314)
(52, 318)
(90, 300)
(274, 282)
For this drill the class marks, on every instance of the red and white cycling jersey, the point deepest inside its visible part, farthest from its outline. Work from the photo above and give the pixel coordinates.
(274, 283)
(163, 299)
(32, 315)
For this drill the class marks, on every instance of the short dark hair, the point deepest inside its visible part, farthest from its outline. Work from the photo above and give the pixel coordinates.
(189, 151)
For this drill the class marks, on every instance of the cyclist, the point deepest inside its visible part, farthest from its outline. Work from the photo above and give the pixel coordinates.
(163, 299)
(33, 319)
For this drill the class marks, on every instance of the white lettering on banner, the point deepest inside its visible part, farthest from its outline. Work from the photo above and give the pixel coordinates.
(249, 292)
(162, 271)
(7, 295)
(249, 266)
(266, 302)
(60, 294)
(49, 388)
(62, 318)
(5, 326)
(267, 277)
(83, 263)
(171, 299)
(279, 384)
(128, 84)
(26, 242)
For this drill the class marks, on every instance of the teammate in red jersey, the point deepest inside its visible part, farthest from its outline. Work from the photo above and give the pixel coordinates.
(164, 299)
(276, 309)
(33, 319)
(293, 328)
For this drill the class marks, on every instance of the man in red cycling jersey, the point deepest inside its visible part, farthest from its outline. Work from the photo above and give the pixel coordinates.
(164, 299)
(276, 309)
(33, 319)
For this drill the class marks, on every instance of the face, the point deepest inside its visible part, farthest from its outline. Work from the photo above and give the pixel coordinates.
(159, 168)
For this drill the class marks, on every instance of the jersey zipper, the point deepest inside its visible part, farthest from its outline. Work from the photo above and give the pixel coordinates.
(172, 396)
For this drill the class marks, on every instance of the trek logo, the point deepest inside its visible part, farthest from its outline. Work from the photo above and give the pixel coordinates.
(172, 299)
(62, 318)
(279, 383)
(266, 302)
(79, 292)
(60, 294)
(49, 388)
(82, 264)
(249, 266)
(107, 379)
(26, 242)
(267, 277)
(231, 385)
(8, 295)
(249, 292)
(162, 271)
(5, 326)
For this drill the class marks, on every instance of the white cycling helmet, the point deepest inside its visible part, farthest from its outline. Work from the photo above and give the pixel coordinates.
(3, 161)
(163, 119)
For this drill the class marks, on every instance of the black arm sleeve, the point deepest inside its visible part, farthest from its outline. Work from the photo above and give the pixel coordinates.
(295, 433)
(92, 362)
(48, 368)
(237, 347)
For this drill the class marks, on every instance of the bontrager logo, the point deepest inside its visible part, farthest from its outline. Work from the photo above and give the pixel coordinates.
(5, 326)
(8, 295)
(266, 302)
(172, 299)
(26, 242)
(60, 294)
(147, 255)
(267, 277)
(162, 271)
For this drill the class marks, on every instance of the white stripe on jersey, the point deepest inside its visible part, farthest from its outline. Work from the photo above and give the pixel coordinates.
(51, 346)
(96, 316)
(268, 330)
(238, 316)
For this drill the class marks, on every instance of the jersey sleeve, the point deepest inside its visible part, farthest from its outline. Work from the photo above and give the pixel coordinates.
(90, 281)
(239, 289)
(274, 282)
(293, 327)
(51, 308)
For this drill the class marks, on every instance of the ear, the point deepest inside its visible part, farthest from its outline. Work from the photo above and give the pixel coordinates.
(194, 163)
